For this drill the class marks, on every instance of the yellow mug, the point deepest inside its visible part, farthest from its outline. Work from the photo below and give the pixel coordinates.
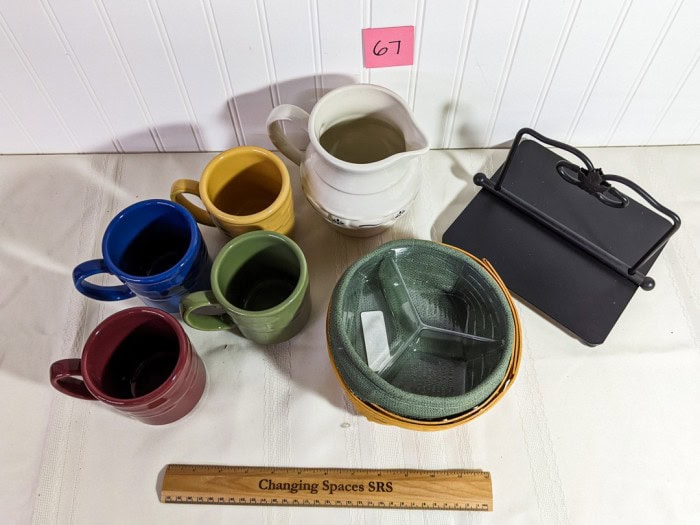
(243, 189)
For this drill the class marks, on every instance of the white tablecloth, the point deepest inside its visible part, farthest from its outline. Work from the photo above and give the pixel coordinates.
(585, 435)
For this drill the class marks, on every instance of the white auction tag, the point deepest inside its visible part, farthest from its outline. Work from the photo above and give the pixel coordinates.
(376, 342)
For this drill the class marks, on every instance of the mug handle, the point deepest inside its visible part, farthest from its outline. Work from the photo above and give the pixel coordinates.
(190, 186)
(193, 302)
(64, 376)
(274, 129)
(95, 291)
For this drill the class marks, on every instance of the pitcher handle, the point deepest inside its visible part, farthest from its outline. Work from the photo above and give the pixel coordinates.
(274, 129)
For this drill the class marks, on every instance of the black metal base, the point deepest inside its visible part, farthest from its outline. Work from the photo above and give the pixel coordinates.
(569, 259)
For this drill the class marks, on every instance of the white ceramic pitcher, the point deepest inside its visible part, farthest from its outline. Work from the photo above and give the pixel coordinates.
(358, 199)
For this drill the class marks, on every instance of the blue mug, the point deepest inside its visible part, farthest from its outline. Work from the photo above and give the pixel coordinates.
(156, 250)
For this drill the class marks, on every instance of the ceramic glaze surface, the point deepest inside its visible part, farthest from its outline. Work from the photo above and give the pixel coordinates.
(261, 282)
(156, 250)
(356, 197)
(243, 189)
(138, 361)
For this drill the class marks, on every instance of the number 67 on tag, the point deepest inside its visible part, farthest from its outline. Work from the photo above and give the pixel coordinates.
(388, 46)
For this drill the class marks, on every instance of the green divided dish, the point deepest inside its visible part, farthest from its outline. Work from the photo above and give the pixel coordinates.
(421, 330)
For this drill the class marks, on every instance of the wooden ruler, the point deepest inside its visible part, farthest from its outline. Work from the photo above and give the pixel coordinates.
(331, 487)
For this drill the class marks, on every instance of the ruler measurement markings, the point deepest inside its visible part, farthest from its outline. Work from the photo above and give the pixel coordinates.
(398, 488)
(325, 503)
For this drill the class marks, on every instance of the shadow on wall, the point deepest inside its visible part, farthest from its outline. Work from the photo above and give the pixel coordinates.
(463, 135)
(239, 121)
(456, 206)
(449, 214)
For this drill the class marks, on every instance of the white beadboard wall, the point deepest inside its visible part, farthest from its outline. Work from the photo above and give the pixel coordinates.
(202, 75)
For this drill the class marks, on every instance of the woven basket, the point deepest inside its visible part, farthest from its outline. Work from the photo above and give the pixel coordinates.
(377, 413)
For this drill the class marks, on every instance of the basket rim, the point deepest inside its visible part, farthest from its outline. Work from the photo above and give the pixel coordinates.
(398, 397)
(380, 415)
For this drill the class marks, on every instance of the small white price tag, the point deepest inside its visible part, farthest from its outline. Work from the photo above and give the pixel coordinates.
(376, 342)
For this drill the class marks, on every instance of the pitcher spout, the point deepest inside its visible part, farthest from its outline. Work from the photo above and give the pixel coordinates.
(361, 169)
(416, 142)
(415, 139)
(365, 127)
(397, 113)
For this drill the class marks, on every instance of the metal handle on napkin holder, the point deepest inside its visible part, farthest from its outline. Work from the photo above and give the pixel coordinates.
(593, 181)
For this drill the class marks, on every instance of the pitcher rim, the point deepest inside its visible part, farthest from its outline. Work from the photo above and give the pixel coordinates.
(370, 166)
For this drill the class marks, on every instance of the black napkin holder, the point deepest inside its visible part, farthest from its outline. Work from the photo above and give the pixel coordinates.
(562, 237)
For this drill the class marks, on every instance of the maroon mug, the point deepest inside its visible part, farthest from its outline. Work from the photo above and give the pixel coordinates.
(139, 361)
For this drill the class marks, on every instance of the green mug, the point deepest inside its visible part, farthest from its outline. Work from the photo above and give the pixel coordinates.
(261, 282)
